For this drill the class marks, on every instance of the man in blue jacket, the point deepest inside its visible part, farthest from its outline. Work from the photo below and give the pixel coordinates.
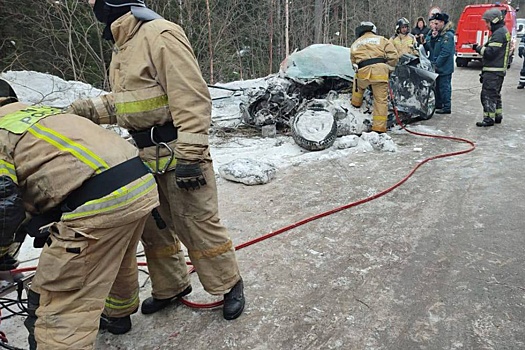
(441, 54)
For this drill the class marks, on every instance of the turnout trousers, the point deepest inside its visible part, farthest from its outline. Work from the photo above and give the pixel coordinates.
(81, 273)
(192, 217)
(491, 94)
(380, 107)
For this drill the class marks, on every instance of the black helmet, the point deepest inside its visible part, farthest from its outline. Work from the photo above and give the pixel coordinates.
(401, 22)
(7, 94)
(105, 9)
(493, 15)
(365, 27)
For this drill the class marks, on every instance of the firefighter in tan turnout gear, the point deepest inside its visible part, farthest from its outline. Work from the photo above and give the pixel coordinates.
(88, 195)
(161, 98)
(374, 57)
(404, 41)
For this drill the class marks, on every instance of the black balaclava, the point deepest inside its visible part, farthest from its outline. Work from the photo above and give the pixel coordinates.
(107, 15)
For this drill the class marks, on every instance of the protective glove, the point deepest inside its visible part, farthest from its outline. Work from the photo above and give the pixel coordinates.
(475, 47)
(520, 52)
(189, 176)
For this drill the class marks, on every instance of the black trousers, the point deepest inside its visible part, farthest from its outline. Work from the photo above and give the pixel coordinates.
(491, 94)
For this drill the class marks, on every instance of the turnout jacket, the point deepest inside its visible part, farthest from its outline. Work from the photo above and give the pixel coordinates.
(405, 43)
(155, 79)
(370, 46)
(48, 154)
(495, 52)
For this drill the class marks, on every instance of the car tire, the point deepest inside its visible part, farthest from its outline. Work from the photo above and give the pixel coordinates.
(314, 129)
(431, 104)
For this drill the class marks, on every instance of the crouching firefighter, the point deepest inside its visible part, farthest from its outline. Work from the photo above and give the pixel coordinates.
(375, 58)
(160, 97)
(94, 194)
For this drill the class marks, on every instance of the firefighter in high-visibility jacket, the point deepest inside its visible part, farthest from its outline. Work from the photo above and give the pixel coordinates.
(161, 98)
(375, 57)
(404, 41)
(88, 195)
(495, 55)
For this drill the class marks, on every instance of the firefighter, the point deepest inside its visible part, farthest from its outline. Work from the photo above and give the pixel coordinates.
(375, 57)
(160, 96)
(88, 195)
(521, 53)
(404, 41)
(495, 55)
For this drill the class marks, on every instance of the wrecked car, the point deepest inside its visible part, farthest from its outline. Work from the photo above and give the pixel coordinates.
(304, 97)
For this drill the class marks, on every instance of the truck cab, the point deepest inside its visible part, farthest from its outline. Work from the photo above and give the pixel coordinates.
(471, 29)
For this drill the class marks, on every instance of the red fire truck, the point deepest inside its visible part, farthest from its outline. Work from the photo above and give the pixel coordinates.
(472, 29)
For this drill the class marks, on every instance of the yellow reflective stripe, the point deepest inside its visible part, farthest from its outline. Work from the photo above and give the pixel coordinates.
(115, 200)
(494, 69)
(152, 164)
(9, 170)
(119, 304)
(496, 44)
(142, 106)
(65, 144)
(18, 122)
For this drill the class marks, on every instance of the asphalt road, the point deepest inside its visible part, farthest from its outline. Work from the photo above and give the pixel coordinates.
(435, 264)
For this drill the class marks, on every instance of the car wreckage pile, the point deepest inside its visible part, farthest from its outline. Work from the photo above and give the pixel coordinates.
(310, 97)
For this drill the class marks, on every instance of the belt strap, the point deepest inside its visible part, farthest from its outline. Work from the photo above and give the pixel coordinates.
(163, 133)
(370, 61)
(106, 182)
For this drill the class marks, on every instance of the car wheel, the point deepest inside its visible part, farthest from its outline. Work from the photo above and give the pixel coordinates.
(431, 105)
(314, 129)
(461, 62)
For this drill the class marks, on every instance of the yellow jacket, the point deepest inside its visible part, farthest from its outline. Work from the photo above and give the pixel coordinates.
(405, 44)
(368, 46)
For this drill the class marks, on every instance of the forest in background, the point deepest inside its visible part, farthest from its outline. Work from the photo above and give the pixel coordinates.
(232, 39)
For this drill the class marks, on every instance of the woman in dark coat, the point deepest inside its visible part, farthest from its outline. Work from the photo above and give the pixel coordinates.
(420, 30)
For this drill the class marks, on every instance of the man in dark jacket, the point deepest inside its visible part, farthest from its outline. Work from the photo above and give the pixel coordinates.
(495, 55)
(441, 50)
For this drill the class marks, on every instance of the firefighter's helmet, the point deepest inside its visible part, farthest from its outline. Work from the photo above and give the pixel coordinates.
(400, 23)
(493, 16)
(365, 27)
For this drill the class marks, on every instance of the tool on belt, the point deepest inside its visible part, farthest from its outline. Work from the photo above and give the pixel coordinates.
(157, 136)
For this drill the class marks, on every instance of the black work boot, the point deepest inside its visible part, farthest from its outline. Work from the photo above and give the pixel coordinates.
(487, 121)
(115, 325)
(152, 305)
(234, 301)
(498, 119)
(521, 86)
(443, 111)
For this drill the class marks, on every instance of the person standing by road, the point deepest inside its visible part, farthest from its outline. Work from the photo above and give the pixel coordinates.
(521, 53)
(88, 195)
(161, 98)
(420, 30)
(375, 57)
(440, 45)
(495, 55)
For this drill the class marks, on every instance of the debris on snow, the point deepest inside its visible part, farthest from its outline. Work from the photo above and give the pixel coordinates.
(248, 171)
